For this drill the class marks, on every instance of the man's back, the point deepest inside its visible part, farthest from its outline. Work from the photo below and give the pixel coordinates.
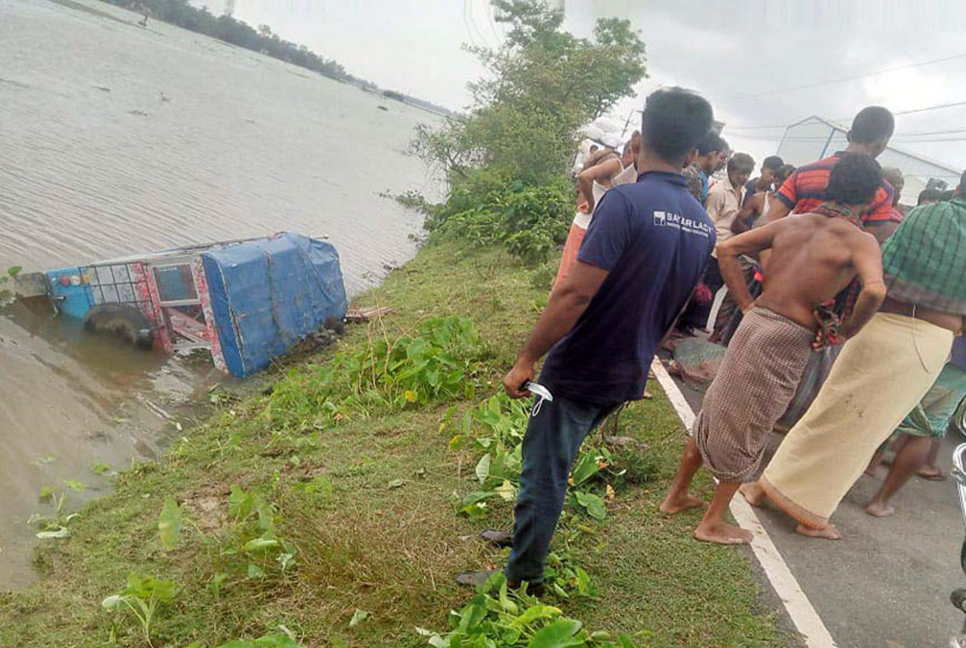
(654, 240)
(813, 259)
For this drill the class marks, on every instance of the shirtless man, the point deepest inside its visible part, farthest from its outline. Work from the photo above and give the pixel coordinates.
(816, 256)
(880, 375)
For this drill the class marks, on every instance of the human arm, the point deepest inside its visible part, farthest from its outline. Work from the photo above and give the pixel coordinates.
(882, 230)
(744, 219)
(867, 260)
(601, 173)
(728, 252)
(565, 306)
(596, 157)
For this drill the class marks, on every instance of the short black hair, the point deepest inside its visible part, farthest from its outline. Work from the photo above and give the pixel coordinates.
(741, 161)
(784, 171)
(949, 194)
(854, 180)
(773, 162)
(673, 122)
(710, 142)
(873, 123)
(929, 195)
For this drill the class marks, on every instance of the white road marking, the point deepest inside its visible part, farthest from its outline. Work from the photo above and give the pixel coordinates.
(799, 608)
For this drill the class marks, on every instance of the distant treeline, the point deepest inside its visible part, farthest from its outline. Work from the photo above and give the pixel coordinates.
(237, 32)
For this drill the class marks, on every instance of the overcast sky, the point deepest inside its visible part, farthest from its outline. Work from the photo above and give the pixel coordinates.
(727, 49)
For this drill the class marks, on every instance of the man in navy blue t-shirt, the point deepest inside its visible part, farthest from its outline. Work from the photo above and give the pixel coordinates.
(642, 256)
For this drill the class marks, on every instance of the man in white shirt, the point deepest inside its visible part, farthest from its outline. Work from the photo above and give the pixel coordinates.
(724, 203)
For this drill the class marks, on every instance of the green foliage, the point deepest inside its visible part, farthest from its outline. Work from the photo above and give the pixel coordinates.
(543, 277)
(250, 549)
(483, 209)
(542, 85)
(141, 598)
(436, 364)
(276, 640)
(236, 32)
(57, 525)
(500, 618)
(169, 525)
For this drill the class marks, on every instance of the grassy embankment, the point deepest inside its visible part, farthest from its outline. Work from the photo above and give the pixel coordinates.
(367, 507)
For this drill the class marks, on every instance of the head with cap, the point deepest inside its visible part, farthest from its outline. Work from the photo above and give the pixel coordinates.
(674, 121)
(871, 131)
(854, 181)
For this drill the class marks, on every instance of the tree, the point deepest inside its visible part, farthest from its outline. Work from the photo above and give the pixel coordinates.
(542, 85)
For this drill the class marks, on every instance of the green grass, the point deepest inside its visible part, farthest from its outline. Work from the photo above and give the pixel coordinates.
(370, 543)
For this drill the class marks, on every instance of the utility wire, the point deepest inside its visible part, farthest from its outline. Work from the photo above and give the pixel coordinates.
(854, 77)
(897, 113)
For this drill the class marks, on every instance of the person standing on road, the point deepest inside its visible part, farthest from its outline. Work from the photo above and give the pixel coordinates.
(592, 183)
(713, 154)
(724, 203)
(814, 256)
(880, 375)
(805, 189)
(763, 183)
(644, 252)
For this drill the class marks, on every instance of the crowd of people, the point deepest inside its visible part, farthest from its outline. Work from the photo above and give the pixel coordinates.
(839, 321)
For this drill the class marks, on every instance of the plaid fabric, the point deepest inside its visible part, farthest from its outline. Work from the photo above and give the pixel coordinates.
(924, 262)
(697, 183)
(804, 190)
(756, 381)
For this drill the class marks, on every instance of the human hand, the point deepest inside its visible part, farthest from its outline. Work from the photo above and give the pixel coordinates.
(521, 373)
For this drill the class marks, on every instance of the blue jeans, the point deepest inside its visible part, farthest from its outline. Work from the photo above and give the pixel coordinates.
(550, 447)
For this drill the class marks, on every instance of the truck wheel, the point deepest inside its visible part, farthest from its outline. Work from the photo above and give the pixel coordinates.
(122, 321)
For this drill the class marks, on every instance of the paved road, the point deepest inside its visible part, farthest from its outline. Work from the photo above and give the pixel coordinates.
(887, 583)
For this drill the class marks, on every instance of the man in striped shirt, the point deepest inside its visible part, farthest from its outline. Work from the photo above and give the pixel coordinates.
(805, 189)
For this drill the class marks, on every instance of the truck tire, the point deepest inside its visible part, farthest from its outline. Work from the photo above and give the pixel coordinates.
(123, 321)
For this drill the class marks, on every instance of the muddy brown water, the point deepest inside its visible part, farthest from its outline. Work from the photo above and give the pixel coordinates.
(116, 140)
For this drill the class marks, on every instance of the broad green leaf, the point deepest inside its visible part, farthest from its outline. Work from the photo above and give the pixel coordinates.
(46, 493)
(483, 469)
(101, 468)
(396, 483)
(73, 484)
(111, 602)
(278, 640)
(585, 467)
(534, 613)
(169, 524)
(54, 534)
(559, 634)
(591, 503)
(255, 572)
(240, 503)
(260, 544)
(358, 617)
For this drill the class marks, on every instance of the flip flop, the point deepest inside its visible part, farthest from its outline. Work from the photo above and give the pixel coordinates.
(937, 477)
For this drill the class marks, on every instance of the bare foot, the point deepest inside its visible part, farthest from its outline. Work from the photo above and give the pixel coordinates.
(673, 504)
(725, 534)
(753, 493)
(880, 509)
(932, 474)
(828, 533)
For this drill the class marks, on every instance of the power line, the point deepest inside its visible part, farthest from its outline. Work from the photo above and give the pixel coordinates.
(896, 113)
(816, 84)
(928, 108)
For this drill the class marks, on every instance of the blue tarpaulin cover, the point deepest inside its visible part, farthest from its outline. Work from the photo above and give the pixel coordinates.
(267, 295)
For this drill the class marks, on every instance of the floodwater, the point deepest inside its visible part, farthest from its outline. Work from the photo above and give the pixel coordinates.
(115, 139)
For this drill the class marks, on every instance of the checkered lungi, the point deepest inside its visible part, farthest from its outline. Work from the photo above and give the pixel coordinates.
(756, 381)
